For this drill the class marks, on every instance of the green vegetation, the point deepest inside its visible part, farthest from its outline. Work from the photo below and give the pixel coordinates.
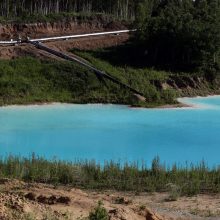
(28, 80)
(60, 17)
(50, 81)
(174, 192)
(158, 86)
(180, 35)
(99, 213)
(61, 81)
(120, 9)
(187, 180)
(177, 36)
(172, 35)
(176, 47)
(146, 80)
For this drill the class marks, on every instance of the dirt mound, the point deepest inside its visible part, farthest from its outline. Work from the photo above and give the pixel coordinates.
(19, 199)
(49, 200)
(122, 213)
(152, 216)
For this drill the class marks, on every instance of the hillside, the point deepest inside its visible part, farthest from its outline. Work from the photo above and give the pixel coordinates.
(61, 81)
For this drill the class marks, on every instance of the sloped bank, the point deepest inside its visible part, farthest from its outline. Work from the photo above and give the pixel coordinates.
(159, 87)
(56, 81)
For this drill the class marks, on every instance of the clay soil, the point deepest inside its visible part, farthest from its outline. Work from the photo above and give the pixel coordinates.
(19, 200)
(12, 52)
(40, 30)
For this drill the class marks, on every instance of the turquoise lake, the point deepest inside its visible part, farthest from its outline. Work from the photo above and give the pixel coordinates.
(114, 132)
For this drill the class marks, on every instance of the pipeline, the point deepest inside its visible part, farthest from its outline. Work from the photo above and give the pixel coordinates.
(19, 41)
(99, 73)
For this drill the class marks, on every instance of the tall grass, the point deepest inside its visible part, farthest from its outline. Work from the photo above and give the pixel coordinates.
(189, 180)
(28, 80)
(146, 80)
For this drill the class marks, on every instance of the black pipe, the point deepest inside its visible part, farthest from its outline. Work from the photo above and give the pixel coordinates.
(74, 59)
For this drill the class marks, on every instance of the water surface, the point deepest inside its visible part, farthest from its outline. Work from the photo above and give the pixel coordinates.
(113, 132)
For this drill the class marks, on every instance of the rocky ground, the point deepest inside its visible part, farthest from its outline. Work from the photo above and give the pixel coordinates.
(19, 200)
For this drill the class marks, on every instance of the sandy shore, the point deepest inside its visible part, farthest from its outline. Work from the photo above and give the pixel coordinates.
(182, 103)
(178, 105)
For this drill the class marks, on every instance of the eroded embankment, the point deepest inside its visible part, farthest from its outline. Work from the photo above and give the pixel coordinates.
(189, 86)
(12, 52)
(61, 28)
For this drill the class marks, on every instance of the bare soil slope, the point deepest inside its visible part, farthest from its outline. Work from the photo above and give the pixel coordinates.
(40, 29)
(11, 52)
(19, 200)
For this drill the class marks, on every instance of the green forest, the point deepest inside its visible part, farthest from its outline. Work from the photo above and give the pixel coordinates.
(181, 35)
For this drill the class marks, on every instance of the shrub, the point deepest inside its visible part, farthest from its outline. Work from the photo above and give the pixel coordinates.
(99, 213)
(174, 192)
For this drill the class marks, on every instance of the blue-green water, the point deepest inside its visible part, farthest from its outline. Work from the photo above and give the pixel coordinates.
(111, 132)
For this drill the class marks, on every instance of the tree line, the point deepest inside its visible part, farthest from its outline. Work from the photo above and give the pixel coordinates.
(124, 9)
